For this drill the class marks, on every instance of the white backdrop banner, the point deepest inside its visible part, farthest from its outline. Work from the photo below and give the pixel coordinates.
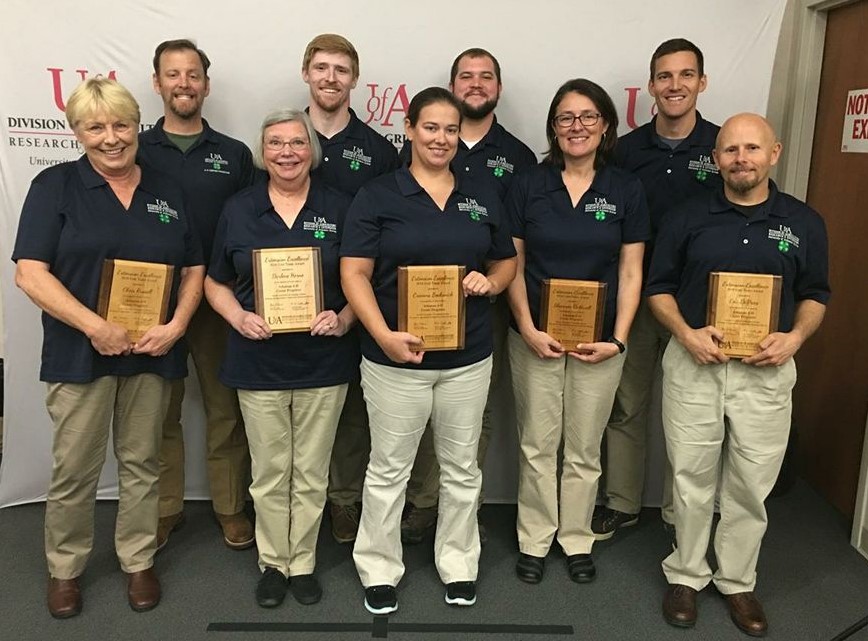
(48, 47)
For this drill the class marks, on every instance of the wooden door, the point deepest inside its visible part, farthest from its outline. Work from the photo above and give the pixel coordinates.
(831, 396)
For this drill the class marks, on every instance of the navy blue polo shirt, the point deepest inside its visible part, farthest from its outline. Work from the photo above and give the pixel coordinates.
(293, 360)
(582, 242)
(784, 237)
(495, 159)
(394, 221)
(670, 176)
(213, 169)
(354, 156)
(73, 221)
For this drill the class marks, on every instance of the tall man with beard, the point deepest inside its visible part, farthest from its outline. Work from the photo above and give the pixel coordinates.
(210, 167)
(490, 154)
(726, 419)
(353, 154)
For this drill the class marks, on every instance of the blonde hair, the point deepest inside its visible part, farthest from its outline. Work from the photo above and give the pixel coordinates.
(331, 43)
(101, 94)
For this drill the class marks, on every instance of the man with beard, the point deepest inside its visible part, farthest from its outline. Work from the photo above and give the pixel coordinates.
(488, 153)
(353, 154)
(210, 167)
(727, 417)
(671, 155)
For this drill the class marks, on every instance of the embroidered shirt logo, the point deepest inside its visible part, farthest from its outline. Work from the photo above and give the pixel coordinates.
(499, 165)
(357, 158)
(601, 209)
(785, 237)
(163, 211)
(319, 226)
(474, 209)
(215, 164)
(702, 167)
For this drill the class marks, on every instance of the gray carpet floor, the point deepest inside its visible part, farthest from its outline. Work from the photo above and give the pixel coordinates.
(813, 584)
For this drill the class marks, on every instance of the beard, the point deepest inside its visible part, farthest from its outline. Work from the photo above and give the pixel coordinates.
(744, 185)
(478, 112)
(185, 111)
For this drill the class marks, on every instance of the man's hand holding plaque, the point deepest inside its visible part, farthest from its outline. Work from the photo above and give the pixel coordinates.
(288, 288)
(571, 311)
(744, 308)
(431, 305)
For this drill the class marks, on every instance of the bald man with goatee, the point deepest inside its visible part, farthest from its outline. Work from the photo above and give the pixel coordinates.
(722, 411)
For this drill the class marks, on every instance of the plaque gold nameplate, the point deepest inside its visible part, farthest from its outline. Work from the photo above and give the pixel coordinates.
(571, 311)
(745, 307)
(134, 294)
(431, 305)
(287, 285)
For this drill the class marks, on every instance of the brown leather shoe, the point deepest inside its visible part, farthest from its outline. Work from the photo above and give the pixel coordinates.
(238, 531)
(345, 522)
(679, 606)
(143, 590)
(64, 598)
(747, 613)
(165, 526)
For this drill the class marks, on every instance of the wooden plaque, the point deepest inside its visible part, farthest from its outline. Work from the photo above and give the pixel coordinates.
(134, 294)
(287, 285)
(431, 305)
(745, 307)
(571, 311)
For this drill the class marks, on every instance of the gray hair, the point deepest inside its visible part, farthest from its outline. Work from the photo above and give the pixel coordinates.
(288, 115)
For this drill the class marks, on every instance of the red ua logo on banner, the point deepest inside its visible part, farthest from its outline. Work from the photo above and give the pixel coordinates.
(381, 107)
(56, 83)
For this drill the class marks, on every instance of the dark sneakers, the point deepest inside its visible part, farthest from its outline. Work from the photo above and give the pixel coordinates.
(416, 523)
(530, 568)
(381, 599)
(345, 521)
(581, 568)
(607, 521)
(271, 589)
(461, 593)
(305, 588)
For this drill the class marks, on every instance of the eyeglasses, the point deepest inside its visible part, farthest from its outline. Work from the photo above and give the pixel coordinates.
(296, 144)
(565, 121)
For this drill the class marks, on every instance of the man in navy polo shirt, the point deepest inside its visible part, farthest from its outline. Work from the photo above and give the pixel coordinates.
(210, 167)
(726, 418)
(672, 156)
(489, 154)
(353, 154)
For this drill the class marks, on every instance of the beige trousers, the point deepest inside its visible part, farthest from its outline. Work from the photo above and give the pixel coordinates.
(132, 409)
(559, 401)
(290, 433)
(624, 476)
(228, 461)
(400, 403)
(729, 421)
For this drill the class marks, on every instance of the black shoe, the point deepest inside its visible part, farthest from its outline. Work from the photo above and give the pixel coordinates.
(607, 521)
(417, 522)
(271, 589)
(530, 568)
(305, 588)
(461, 593)
(670, 534)
(381, 599)
(581, 568)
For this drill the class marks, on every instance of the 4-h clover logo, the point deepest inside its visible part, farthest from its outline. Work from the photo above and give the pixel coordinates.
(783, 246)
(216, 165)
(600, 215)
(164, 218)
(319, 233)
(498, 171)
(474, 215)
(701, 175)
(355, 165)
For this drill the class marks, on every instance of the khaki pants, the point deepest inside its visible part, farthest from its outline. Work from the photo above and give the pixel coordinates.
(290, 433)
(228, 461)
(559, 401)
(424, 484)
(400, 402)
(624, 476)
(351, 450)
(132, 409)
(733, 420)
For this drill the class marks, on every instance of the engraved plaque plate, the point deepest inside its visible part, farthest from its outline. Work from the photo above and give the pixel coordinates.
(134, 294)
(431, 305)
(287, 283)
(571, 311)
(745, 307)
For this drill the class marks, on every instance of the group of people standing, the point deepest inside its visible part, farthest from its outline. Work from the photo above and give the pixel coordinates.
(356, 411)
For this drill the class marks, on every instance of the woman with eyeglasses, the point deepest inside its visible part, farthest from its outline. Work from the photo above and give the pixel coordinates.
(573, 216)
(291, 386)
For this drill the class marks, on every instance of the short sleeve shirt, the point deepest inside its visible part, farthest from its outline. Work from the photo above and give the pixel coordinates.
(395, 222)
(784, 237)
(581, 242)
(73, 221)
(291, 360)
(210, 171)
